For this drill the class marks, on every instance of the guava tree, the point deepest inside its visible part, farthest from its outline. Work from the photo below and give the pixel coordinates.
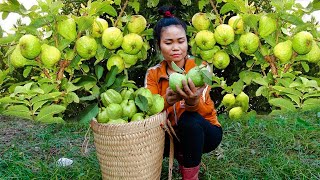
(57, 67)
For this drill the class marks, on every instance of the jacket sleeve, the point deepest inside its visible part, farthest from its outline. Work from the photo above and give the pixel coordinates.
(151, 82)
(205, 106)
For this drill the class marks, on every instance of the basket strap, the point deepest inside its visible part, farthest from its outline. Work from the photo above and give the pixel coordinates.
(84, 146)
(171, 152)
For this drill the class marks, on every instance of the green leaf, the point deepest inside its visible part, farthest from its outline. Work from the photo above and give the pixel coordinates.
(46, 114)
(251, 20)
(288, 91)
(207, 76)
(310, 104)
(88, 113)
(64, 43)
(38, 105)
(247, 76)
(152, 3)
(294, 98)
(176, 68)
(88, 98)
(305, 66)
(235, 48)
(42, 97)
(186, 2)
(18, 111)
(308, 95)
(135, 6)
(9, 39)
(228, 7)
(111, 76)
(262, 90)
(101, 51)
(106, 8)
(27, 71)
(237, 87)
(72, 97)
(117, 2)
(284, 104)
(291, 18)
(85, 68)
(261, 80)
(41, 21)
(202, 4)
(142, 103)
(9, 100)
(99, 71)
(84, 22)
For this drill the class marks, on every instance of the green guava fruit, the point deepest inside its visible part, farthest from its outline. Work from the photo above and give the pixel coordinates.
(137, 117)
(110, 96)
(129, 108)
(102, 116)
(157, 106)
(196, 76)
(132, 43)
(16, 59)
(207, 55)
(283, 51)
(302, 42)
(313, 56)
(235, 113)
(50, 55)
(205, 40)
(114, 111)
(200, 21)
(248, 43)
(146, 93)
(221, 59)
(137, 24)
(224, 34)
(68, 29)
(117, 121)
(127, 93)
(129, 59)
(176, 79)
(242, 99)
(117, 61)
(236, 23)
(86, 47)
(30, 46)
(112, 38)
(98, 26)
(267, 26)
(228, 100)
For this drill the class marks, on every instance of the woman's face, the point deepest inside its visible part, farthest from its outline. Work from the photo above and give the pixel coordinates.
(173, 43)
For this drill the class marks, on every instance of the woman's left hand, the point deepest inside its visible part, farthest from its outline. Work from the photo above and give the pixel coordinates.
(190, 93)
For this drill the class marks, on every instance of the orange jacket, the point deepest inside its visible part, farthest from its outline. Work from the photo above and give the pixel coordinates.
(157, 81)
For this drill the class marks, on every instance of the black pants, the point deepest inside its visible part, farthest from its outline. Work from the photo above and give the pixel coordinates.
(196, 135)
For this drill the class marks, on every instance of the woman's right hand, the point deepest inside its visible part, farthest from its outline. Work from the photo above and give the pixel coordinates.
(172, 97)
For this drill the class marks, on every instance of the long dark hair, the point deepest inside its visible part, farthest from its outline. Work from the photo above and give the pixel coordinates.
(167, 19)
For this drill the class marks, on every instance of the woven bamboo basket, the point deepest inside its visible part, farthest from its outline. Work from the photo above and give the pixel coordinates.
(130, 151)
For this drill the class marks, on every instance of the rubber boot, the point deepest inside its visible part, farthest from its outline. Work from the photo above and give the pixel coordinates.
(190, 173)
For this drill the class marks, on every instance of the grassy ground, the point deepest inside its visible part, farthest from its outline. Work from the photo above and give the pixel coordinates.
(258, 147)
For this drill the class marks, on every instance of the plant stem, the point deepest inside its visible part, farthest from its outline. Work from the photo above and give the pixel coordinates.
(63, 64)
(216, 11)
(121, 12)
(271, 61)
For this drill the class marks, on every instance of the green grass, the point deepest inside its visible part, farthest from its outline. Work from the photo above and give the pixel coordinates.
(257, 147)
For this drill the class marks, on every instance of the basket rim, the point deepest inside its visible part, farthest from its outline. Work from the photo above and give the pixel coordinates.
(129, 128)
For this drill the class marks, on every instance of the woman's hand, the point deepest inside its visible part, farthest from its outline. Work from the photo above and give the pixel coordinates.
(190, 93)
(172, 97)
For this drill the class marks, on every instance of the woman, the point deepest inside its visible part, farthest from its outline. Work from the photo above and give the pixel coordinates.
(190, 109)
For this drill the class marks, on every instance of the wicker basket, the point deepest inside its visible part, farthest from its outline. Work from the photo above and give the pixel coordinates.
(130, 151)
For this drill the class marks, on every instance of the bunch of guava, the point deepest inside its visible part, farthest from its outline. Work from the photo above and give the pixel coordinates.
(128, 105)
(236, 105)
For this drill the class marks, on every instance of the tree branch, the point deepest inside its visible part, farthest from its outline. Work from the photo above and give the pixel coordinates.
(216, 11)
(121, 12)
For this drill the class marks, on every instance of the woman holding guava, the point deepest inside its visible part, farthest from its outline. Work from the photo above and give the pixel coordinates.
(190, 109)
